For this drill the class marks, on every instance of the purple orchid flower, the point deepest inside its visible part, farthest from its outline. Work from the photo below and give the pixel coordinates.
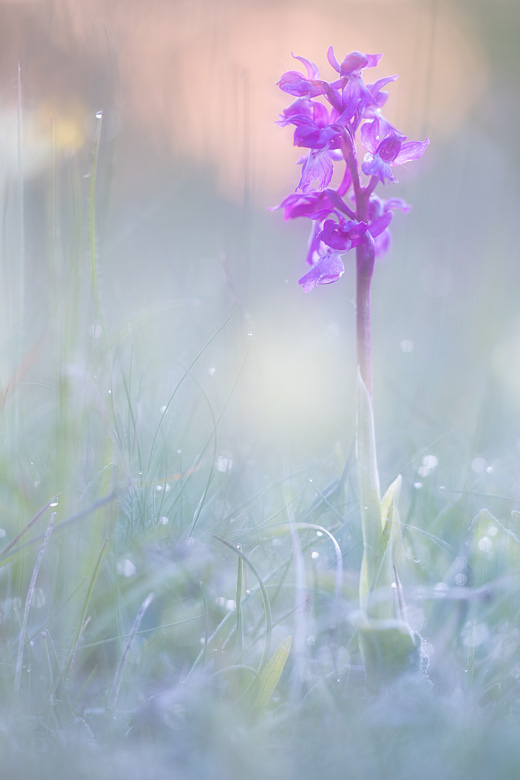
(326, 117)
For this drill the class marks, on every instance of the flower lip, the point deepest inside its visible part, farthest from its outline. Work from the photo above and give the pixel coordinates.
(327, 270)
(389, 148)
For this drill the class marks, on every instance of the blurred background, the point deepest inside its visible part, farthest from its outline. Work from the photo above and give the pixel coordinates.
(190, 161)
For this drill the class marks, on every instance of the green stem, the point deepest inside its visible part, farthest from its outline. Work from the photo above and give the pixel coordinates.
(364, 269)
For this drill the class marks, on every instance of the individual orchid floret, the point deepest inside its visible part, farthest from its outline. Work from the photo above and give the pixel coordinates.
(384, 153)
(294, 83)
(343, 235)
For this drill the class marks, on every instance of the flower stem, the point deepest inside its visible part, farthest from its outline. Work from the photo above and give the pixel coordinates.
(364, 351)
(365, 257)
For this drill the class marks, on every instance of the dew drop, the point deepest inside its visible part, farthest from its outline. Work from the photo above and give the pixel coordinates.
(407, 345)
(99, 114)
(485, 544)
(479, 465)
(315, 555)
(126, 568)
(440, 589)
(474, 634)
(224, 464)
(163, 521)
(95, 330)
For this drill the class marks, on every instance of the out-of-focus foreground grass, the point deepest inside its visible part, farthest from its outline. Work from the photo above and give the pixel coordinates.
(185, 415)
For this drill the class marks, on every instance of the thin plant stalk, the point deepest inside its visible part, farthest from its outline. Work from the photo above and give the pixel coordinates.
(116, 685)
(28, 602)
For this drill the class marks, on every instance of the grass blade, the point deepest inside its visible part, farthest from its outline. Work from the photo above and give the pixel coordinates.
(79, 628)
(116, 685)
(28, 602)
(270, 676)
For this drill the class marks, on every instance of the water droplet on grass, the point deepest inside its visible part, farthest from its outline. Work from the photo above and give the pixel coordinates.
(95, 330)
(126, 568)
(474, 634)
(478, 465)
(485, 544)
(440, 589)
(224, 464)
(315, 555)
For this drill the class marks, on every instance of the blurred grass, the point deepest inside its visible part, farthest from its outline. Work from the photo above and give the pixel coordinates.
(163, 425)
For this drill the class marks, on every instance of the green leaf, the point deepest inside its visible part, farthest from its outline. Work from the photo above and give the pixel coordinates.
(270, 676)
(389, 648)
(390, 499)
(368, 485)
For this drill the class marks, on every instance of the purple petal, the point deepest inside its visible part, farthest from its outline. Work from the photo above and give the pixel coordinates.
(313, 248)
(312, 70)
(314, 205)
(317, 167)
(380, 83)
(381, 224)
(389, 148)
(294, 83)
(332, 59)
(343, 236)
(411, 150)
(300, 110)
(332, 94)
(353, 63)
(375, 166)
(397, 203)
(370, 135)
(373, 60)
(328, 269)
